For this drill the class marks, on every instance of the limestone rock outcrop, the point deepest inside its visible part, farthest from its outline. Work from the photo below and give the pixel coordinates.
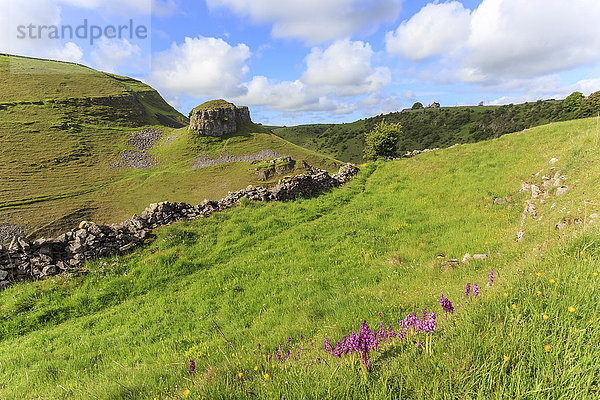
(218, 118)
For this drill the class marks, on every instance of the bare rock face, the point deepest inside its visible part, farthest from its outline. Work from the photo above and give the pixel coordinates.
(218, 118)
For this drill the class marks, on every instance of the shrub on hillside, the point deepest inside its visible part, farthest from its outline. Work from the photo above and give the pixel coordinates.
(382, 140)
(590, 106)
(573, 102)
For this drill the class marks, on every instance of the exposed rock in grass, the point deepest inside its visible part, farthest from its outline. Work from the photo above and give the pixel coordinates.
(562, 190)
(135, 159)
(206, 161)
(480, 257)
(448, 265)
(535, 191)
(8, 231)
(520, 235)
(467, 258)
(145, 140)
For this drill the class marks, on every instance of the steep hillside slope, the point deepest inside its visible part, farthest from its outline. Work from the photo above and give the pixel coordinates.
(428, 128)
(69, 140)
(251, 294)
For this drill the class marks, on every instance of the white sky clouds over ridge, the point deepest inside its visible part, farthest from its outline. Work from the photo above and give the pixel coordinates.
(333, 59)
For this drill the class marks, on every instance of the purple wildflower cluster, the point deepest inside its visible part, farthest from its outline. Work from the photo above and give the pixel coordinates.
(446, 304)
(368, 340)
(361, 342)
(414, 325)
(192, 367)
(491, 277)
(468, 290)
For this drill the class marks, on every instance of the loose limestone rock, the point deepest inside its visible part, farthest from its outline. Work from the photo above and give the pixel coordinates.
(520, 235)
(480, 257)
(467, 258)
(562, 190)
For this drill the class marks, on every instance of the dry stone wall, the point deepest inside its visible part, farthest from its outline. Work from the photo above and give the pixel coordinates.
(22, 259)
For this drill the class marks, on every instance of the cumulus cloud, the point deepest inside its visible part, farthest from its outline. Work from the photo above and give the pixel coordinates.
(284, 96)
(503, 39)
(110, 53)
(345, 68)
(40, 12)
(314, 21)
(436, 29)
(201, 67)
(341, 70)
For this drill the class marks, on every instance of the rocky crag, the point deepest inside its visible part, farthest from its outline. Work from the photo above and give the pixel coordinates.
(218, 118)
(23, 259)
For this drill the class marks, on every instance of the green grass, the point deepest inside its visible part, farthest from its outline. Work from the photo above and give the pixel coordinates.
(428, 128)
(220, 103)
(317, 267)
(62, 125)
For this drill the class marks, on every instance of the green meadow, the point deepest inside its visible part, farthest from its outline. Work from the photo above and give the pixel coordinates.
(62, 125)
(296, 273)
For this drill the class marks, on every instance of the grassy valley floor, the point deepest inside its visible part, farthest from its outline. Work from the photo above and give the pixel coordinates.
(299, 272)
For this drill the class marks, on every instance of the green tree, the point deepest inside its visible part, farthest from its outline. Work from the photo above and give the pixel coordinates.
(573, 102)
(590, 106)
(417, 106)
(382, 140)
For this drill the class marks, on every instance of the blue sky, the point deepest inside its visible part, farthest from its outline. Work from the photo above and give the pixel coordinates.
(315, 61)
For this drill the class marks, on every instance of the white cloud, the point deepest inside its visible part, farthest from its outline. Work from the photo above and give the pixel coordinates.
(342, 69)
(521, 39)
(437, 28)
(378, 103)
(201, 67)
(314, 21)
(507, 39)
(291, 96)
(40, 12)
(110, 53)
(345, 68)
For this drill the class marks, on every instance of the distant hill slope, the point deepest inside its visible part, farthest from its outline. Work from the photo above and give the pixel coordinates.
(428, 128)
(65, 131)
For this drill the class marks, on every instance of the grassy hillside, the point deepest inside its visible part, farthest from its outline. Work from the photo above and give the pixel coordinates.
(296, 273)
(62, 125)
(428, 128)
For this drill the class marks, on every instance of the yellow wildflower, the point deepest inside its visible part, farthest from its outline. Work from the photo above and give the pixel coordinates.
(514, 306)
(240, 374)
(506, 358)
(545, 316)
(547, 347)
(539, 274)
(505, 294)
(552, 281)
(186, 392)
(256, 368)
(266, 376)
(538, 292)
(571, 309)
